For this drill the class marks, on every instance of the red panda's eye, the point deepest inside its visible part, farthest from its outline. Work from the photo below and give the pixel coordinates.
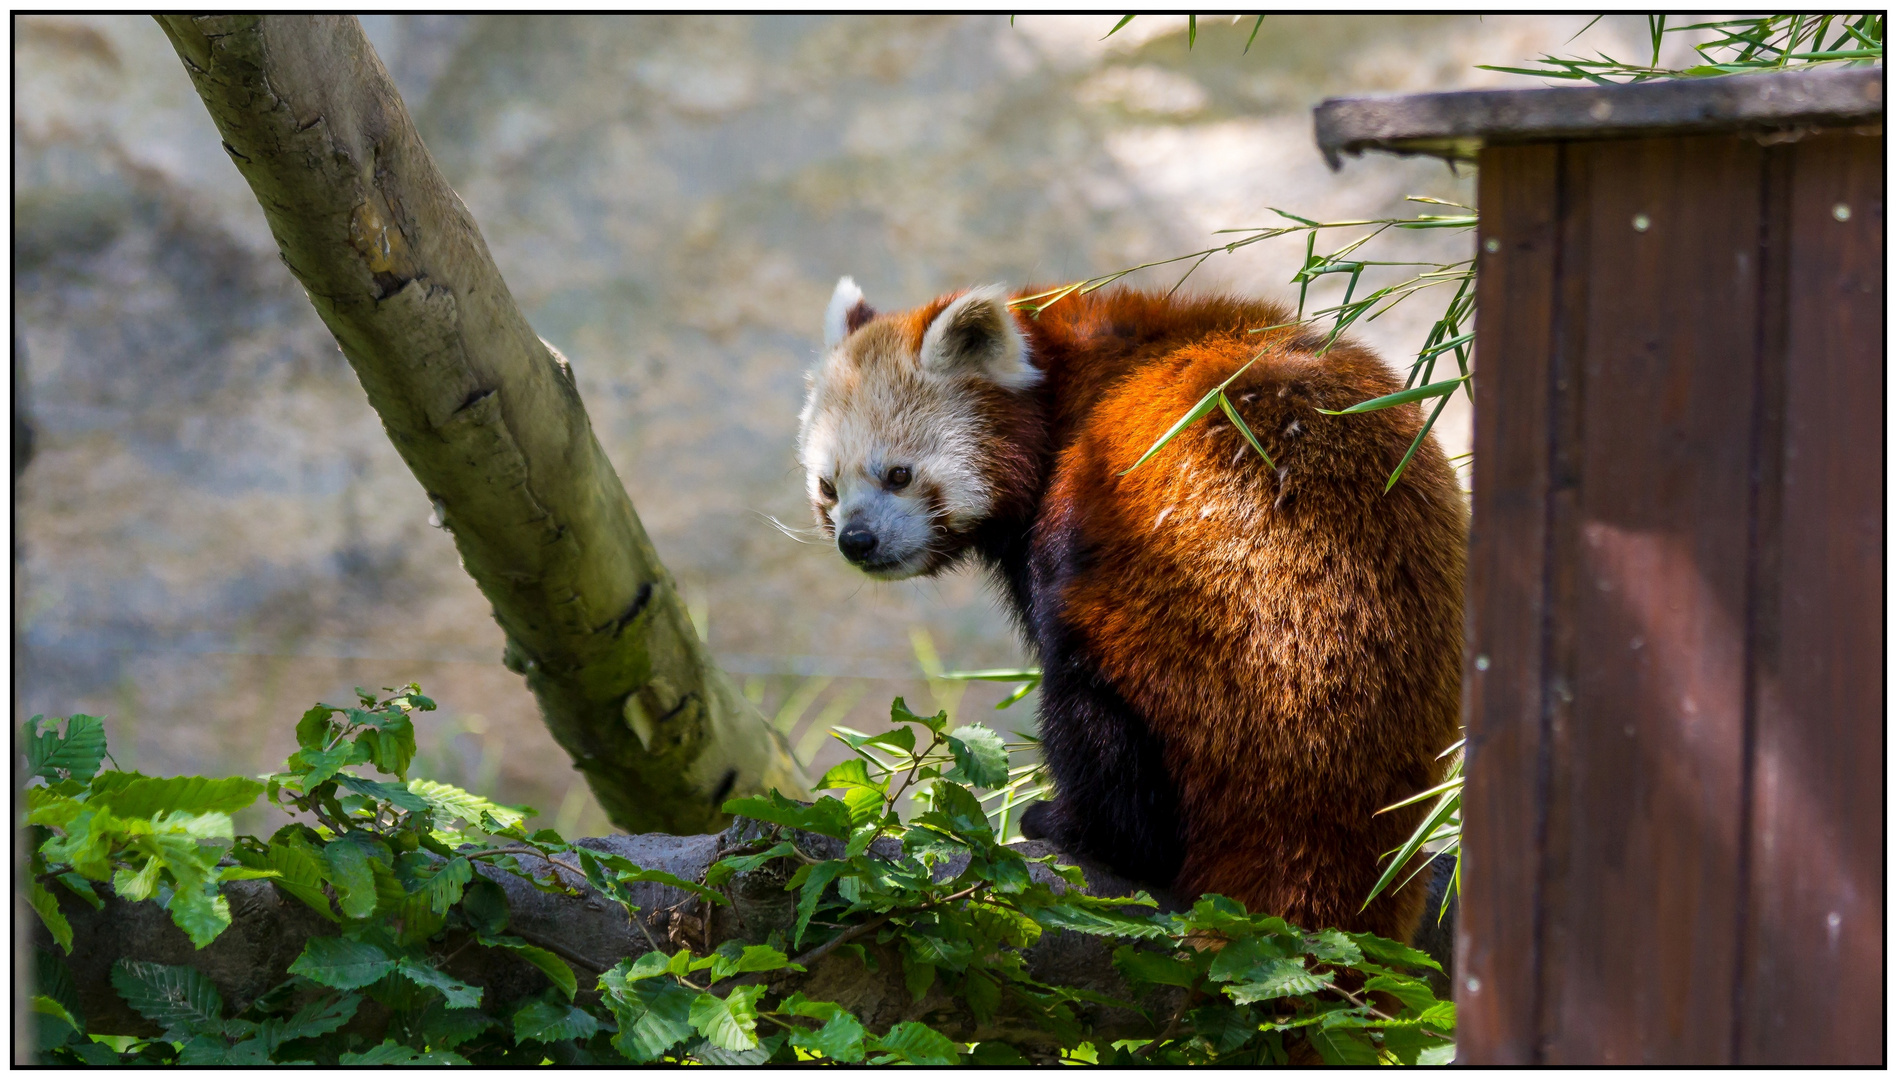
(827, 488)
(898, 478)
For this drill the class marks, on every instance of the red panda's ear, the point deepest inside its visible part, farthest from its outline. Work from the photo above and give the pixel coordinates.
(976, 335)
(847, 311)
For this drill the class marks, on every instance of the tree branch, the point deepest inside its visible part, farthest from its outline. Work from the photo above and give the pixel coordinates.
(485, 414)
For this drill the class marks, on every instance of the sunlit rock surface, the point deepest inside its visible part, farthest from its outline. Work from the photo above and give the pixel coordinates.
(214, 531)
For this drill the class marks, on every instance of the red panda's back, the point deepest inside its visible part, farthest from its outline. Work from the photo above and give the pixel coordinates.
(1291, 633)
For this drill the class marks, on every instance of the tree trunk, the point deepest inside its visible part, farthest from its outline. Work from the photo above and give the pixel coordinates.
(486, 415)
(591, 933)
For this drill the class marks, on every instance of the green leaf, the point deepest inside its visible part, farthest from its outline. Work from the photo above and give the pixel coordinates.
(300, 873)
(315, 729)
(390, 748)
(628, 871)
(1231, 413)
(46, 1006)
(733, 959)
(553, 1021)
(350, 870)
(728, 1022)
(1205, 405)
(394, 1053)
(555, 969)
(484, 906)
(1343, 1047)
(137, 884)
(77, 752)
(820, 878)
(982, 995)
(962, 811)
(448, 1028)
(47, 907)
(917, 1044)
(840, 1038)
(865, 805)
(444, 888)
(1401, 397)
(342, 963)
(393, 794)
(451, 802)
(199, 910)
(997, 1055)
(319, 1018)
(180, 1000)
(653, 1017)
(899, 714)
(458, 994)
(980, 756)
(1333, 947)
(1101, 922)
(317, 766)
(1272, 979)
(1391, 952)
(1443, 1053)
(1155, 968)
(130, 795)
(826, 816)
(850, 773)
(917, 975)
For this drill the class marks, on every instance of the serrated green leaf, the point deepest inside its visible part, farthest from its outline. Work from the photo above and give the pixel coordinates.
(130, 795)
(980, 756)
(730, 1022)
(1103, 923)
(1333, 947)
(445, 887)
(317, 766)
(1238, 958)
(1343, 1047)
(1156, 968)
(299, 873)
(552, 966)
(827, 815)
(654, 1016)
(917, 975)
(315, 729)
(840, 1038)
(1443, 1053)
(77, 752)
(342, 963)
(819, 879)
(390, 747)
(1391, 952)
(553, 1021)
(447, 1028)
(917, 1044)
(180, 1000)
(1272, 979)
(865, 805)
(484, 906)
(47, 908)
(962, 811)
(847, 774)
(459, 995)
(452, 802)
(137, 884)
(199, 910)
(46, 1006)
(394, 1053)
(394, 794)
(982, 995)
(351, 871)
(319, 1018)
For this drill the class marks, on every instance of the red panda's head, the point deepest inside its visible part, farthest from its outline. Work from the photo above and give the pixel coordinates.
(900, 438)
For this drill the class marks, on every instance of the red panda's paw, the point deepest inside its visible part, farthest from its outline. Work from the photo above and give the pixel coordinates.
(1042, 821)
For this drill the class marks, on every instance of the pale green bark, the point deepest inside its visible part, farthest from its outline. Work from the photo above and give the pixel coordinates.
(485, 414)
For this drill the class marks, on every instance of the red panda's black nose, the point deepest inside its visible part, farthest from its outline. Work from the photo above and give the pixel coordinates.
(856, 544)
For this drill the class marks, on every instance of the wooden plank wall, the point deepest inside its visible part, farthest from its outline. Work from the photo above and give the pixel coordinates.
(1675, 798)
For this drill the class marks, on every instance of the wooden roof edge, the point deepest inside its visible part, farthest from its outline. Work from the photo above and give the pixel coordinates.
(1457, 124)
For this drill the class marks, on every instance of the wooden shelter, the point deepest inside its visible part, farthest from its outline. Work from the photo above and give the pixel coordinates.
(1674, 671)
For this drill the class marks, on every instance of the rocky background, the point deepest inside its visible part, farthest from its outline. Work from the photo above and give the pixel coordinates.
(213, 532)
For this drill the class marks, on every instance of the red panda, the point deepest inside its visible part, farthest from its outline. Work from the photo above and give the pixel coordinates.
(1242, 662)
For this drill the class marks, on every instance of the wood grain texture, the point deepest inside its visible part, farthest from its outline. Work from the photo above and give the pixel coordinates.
(1812, 988)
(1495, 935)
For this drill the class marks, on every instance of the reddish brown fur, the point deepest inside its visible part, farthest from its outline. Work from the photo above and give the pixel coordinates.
(1297, 650)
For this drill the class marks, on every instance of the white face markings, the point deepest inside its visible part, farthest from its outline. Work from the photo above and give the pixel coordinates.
(870, 412)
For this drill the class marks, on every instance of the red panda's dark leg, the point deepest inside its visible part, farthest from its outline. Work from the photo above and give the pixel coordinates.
(1116, 804)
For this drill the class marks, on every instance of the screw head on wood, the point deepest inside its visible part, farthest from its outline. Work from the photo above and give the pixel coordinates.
(1842, 212)
(1491, 245)
(1642, 223)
